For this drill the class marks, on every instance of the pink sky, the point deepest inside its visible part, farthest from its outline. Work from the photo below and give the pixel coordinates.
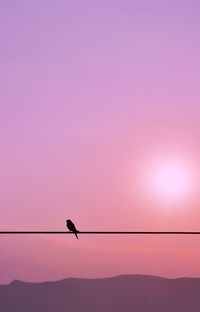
(91, 92)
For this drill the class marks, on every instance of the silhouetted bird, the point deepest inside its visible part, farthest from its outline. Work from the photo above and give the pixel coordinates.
(72, 227)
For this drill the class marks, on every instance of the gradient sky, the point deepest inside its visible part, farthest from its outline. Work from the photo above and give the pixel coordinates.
(91, 94)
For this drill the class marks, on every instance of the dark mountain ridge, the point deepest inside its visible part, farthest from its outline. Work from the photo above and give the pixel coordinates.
(138, 293)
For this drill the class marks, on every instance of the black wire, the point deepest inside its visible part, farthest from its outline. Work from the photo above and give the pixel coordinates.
(102, 232)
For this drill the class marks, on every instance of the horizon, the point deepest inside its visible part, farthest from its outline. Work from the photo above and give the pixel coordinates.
(106, 277)
(125, 292)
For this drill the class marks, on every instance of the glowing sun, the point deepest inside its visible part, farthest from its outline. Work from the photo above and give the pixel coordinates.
(170, 181)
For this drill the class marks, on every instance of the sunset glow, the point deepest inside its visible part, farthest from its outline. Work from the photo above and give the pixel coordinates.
(170, 181)
(100, 124)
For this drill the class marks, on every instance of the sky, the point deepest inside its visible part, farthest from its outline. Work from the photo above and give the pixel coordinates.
(97, 100)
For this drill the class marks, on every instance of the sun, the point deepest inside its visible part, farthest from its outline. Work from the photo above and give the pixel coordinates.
(170, 180)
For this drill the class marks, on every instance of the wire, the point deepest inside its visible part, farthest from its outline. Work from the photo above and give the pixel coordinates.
(102, 232)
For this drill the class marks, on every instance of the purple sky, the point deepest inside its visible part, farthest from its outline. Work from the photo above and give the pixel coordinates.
(90, 92)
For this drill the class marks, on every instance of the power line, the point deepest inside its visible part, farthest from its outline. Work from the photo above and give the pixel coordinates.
(101, 232)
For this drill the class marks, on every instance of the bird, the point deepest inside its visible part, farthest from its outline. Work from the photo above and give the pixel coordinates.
(70, 225)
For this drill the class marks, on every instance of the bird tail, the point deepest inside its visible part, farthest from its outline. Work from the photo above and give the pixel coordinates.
(76, 235)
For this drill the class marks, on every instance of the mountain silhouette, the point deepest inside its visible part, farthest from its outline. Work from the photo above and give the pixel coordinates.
(129, 293)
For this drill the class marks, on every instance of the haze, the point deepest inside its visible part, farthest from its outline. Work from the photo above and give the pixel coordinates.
(91, 93)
